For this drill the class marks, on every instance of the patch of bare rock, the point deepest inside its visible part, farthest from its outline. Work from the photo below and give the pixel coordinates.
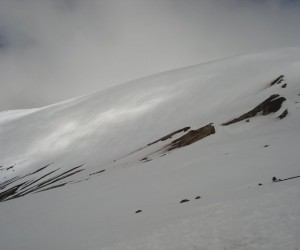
(270, 105)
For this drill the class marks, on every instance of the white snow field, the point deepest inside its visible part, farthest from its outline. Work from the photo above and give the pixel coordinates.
(74, 175)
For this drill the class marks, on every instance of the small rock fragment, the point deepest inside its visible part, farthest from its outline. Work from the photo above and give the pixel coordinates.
(284, 114)
(184, 200)
(259, 184)
(284, 86)
(198, 197)
(277, 80)
(266, 146)
(138, 211)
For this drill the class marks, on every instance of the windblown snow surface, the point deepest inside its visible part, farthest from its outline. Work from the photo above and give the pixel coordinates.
(74, 175)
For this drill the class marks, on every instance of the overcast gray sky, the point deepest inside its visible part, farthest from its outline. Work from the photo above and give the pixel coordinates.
(52, 50)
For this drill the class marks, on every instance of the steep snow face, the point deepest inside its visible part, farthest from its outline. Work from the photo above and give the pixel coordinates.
(96, 155)
(144, 109)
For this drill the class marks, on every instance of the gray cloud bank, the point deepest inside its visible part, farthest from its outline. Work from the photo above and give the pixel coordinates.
(51, 50)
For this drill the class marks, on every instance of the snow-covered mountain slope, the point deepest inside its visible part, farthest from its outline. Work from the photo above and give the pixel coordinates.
(180, 160)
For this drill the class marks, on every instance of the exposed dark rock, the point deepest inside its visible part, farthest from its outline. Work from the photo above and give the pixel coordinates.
(146, 159)
(247, 120)
(9, 168)
(60, 177)
(197, 197)
(29, 183)
(17, 178)
(186, 139)
(138, 211)
(53, 187)
(11, 191)
(40, 169)
(277, 80)
(192, 136)
(101, 171)
(259, 184)
(290, 178)
(284, 114)
(284, 86)
(170, 135)
(184, 200)
(38, 184)
(273, 106)
(8, 182)
(270, 105)
(266, 146)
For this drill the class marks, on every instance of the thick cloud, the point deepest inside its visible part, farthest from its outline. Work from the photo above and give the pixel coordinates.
(51, 50)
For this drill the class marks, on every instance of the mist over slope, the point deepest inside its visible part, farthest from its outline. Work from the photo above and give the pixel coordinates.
(180, 160)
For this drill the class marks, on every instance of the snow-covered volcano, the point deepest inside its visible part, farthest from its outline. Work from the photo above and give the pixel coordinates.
(179, 160)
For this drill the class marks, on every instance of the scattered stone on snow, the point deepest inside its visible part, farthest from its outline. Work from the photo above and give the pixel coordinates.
(284, 86)
(146, 159)
(277, 80)
(284, 114)
(197, 197)
(138, 211)
(184, 200)
(101, 171)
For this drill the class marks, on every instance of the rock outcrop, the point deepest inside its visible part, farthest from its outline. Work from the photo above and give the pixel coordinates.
(277, 80)
(168, 136)
(192, 136)
(270, 105)
(284, 114)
